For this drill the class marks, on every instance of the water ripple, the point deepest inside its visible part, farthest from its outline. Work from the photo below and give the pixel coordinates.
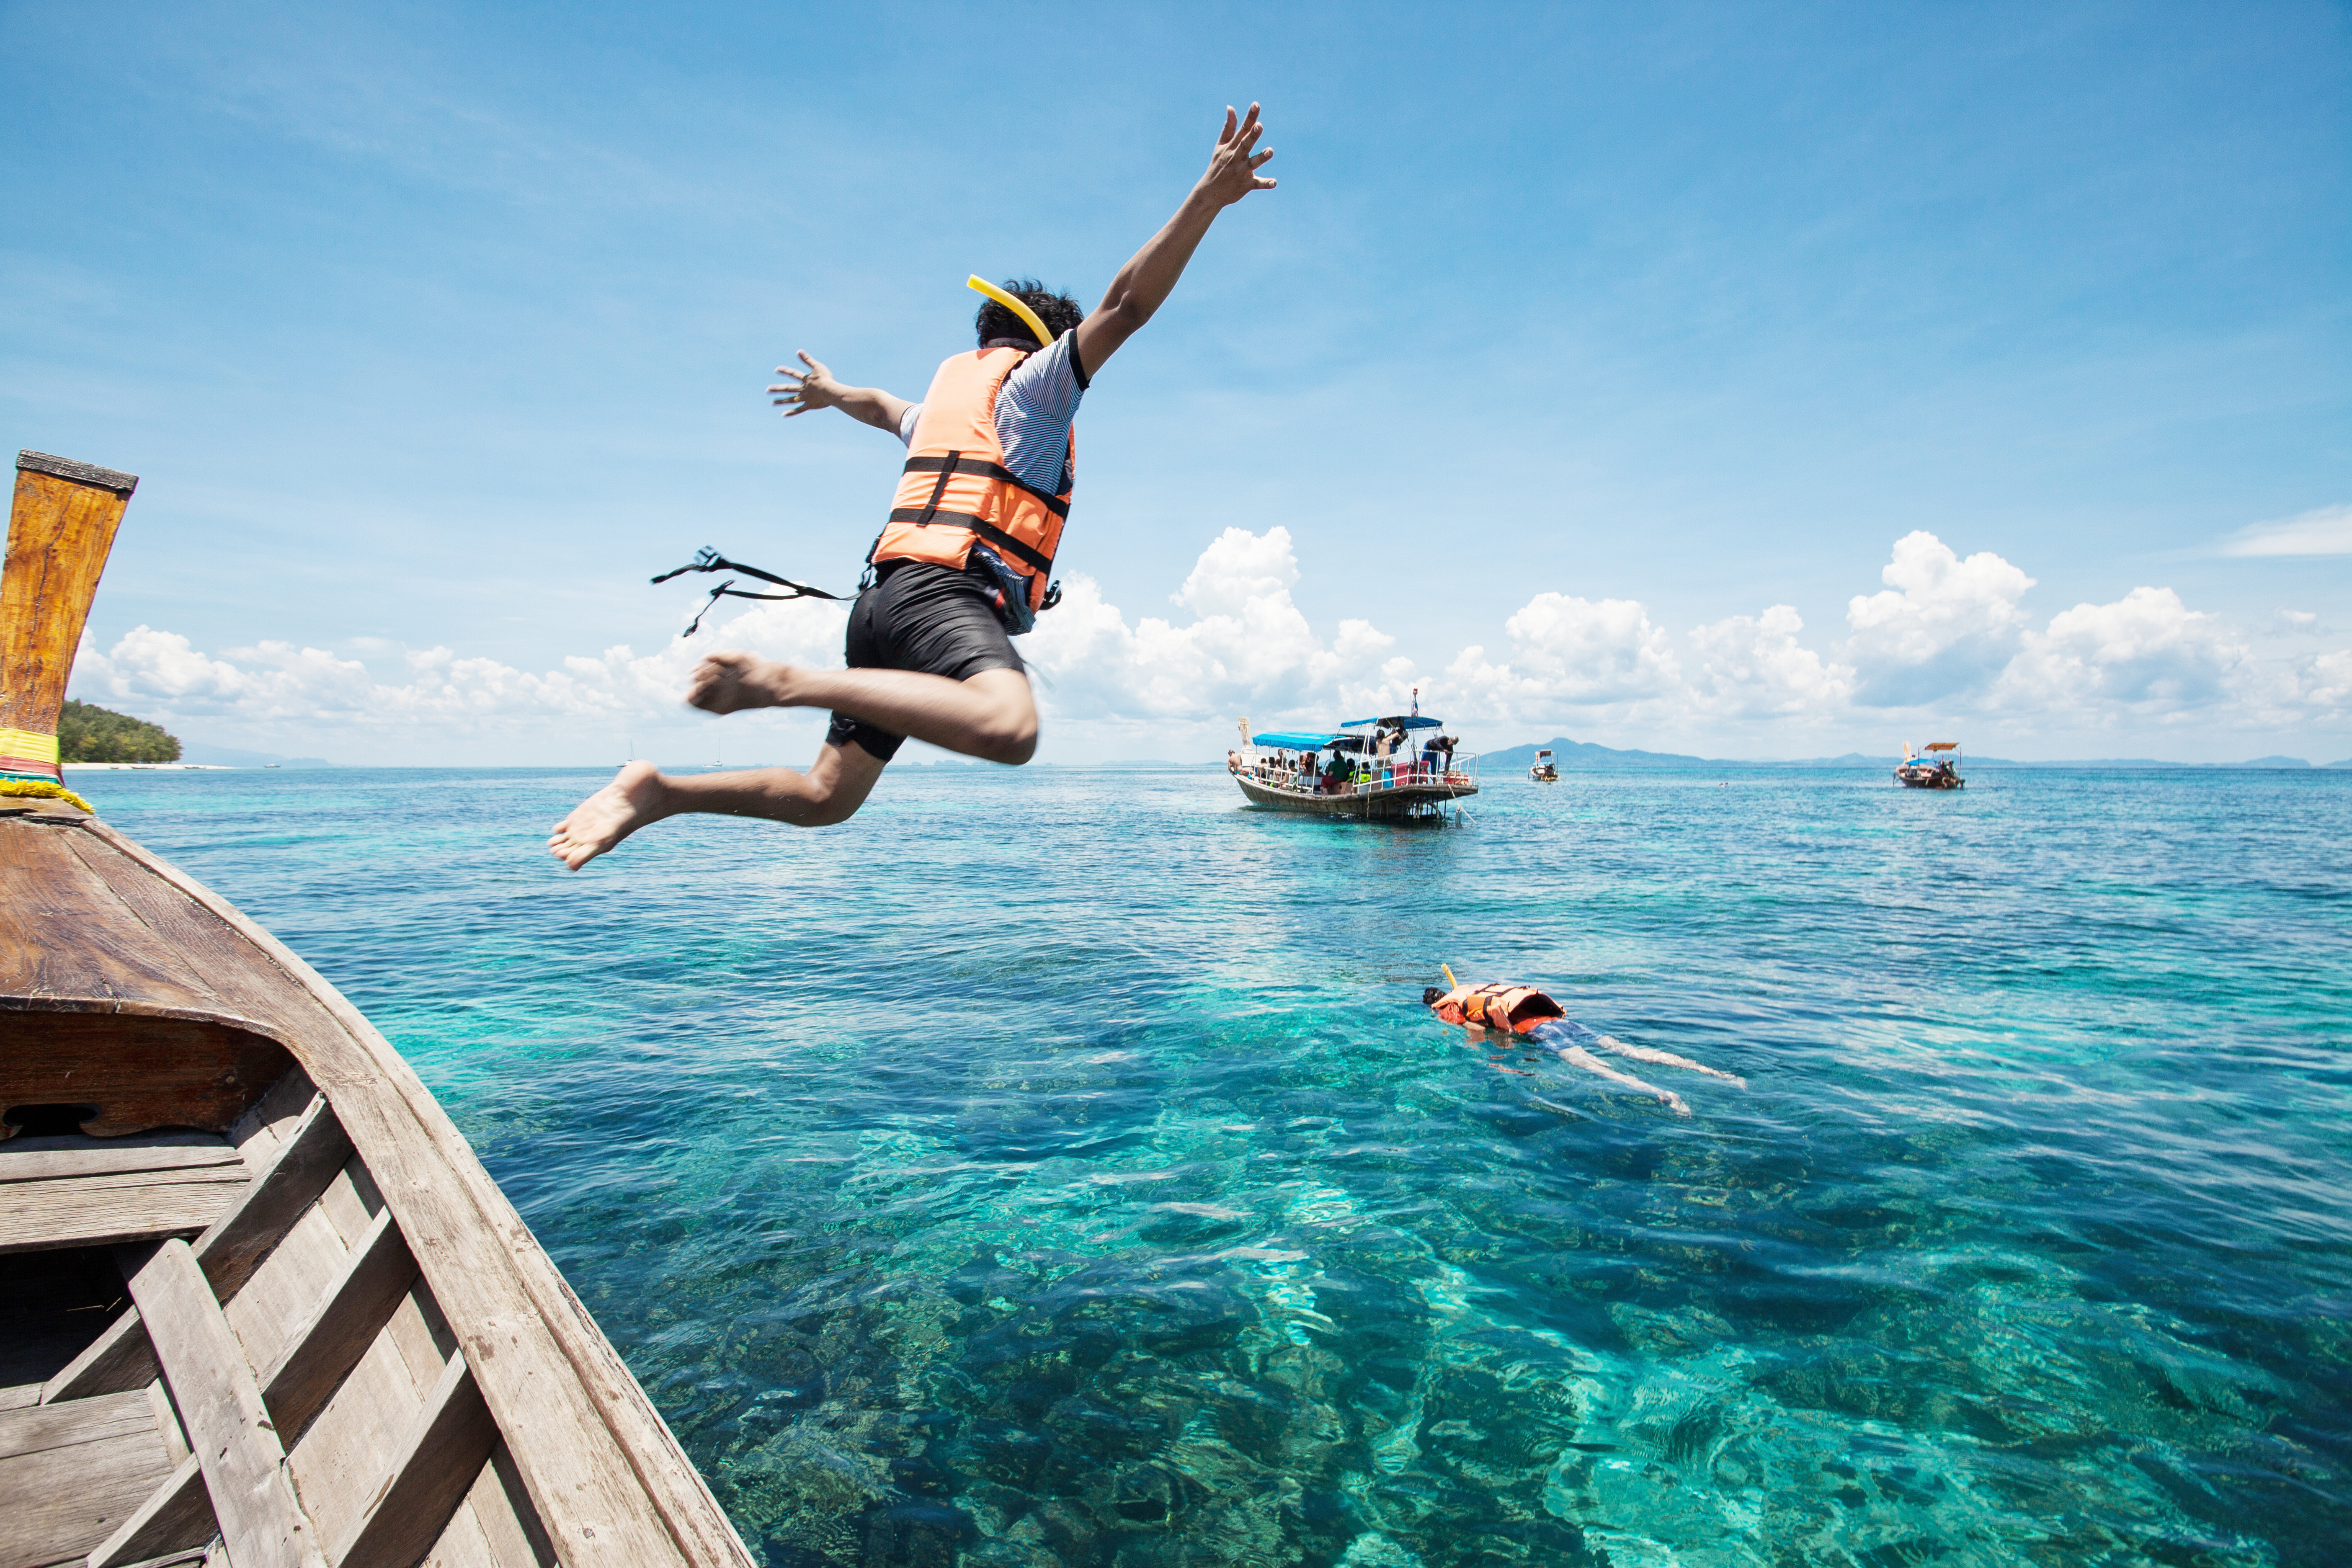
(1056, 1167)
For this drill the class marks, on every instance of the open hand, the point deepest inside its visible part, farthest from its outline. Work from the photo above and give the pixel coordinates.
(814, 387)
(1234, 167)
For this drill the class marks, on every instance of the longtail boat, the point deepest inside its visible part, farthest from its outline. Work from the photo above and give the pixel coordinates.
(1373, 769)
(1938, 767)
(263, 1306)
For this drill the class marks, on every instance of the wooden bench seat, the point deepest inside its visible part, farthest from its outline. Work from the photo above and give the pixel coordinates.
(76, 1191)
(71, 1474)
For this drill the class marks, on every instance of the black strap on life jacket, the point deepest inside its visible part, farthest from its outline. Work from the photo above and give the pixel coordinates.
(956, 462)
(708, 560)
(929, 512)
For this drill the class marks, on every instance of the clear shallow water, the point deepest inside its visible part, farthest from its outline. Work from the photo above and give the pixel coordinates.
(1057, 1167)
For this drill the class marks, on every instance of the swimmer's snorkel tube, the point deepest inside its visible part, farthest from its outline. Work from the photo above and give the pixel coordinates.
(1044, 338)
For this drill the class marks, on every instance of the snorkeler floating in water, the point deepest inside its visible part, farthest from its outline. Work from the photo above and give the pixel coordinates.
(965, 556)
(1508, 1008)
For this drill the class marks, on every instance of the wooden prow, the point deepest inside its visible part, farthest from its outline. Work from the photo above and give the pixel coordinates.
(61, 529)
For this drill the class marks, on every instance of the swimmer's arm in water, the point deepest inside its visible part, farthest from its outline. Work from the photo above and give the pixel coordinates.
(1143, 284)
(816, 388)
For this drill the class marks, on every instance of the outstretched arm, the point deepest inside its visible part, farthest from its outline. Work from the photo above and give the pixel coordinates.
(1142, 285)
(815, 388)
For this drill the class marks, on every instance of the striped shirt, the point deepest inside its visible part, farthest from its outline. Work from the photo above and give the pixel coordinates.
(1034, 410)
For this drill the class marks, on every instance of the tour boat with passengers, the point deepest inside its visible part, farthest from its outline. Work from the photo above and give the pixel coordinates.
(1401, 766)
(1937, 768)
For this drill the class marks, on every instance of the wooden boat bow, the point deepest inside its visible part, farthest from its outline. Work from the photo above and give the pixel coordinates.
(345, 1346)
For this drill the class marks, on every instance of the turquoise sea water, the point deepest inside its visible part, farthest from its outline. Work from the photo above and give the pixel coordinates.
(1058, 1166)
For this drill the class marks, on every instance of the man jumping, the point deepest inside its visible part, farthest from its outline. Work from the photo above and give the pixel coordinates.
(963, 561)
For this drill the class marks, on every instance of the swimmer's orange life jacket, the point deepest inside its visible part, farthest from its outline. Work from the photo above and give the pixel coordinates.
(956, 490)
(1500, 1005)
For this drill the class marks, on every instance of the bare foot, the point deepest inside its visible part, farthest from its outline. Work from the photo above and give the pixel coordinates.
(730, 682)
(635, 797)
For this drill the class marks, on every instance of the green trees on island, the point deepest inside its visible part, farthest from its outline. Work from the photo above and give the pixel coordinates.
(89, 733)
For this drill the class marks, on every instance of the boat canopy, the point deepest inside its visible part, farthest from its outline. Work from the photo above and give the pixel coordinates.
(1943, 745)
(1408, 722)
(1293, 740)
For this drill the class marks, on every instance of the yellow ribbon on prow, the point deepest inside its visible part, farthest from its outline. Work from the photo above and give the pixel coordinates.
(1044, 338)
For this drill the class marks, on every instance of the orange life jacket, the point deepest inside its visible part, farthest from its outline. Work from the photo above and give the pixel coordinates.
(1498, 1005)
(956, 487)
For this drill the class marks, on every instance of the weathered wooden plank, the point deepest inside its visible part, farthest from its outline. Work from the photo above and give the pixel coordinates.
(176, 1516)
(461, 1543)
(69, 1474)
(21, 1394)
(510, 1524)
(299, 1171)
(167, 1421)
(228, 1249)
(319, 1353)
(77, 470)
(279, 1297)
(344, 1208)
(231, 1175)
(608, 1480)
(271, 1119)
(35, 1215)
(430, 1474)
(341, 1455)
(30, 1429)
(61, 1158)
(228, 1427)
(244, 978)
(112, 956)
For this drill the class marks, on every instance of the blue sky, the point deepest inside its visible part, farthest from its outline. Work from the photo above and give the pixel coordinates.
(443, 328)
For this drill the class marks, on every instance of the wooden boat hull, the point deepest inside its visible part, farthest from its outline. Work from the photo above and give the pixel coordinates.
(350, 1347)
(1404, 800)
(262, 1301)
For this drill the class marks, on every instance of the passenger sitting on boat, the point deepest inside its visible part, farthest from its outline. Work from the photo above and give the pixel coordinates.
(928, 646)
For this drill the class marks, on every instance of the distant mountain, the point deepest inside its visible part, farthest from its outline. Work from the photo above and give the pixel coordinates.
(1584, 753)
(230, 757)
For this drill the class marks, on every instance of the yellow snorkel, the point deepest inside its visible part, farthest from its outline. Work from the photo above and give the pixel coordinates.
(976, 281)
(1449, 977)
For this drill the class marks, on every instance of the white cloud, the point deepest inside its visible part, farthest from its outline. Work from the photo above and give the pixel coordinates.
(163, 676)
(1752, 667)
(2146, 654)
(1248, 650)
(1942, 627)
(1947, 640)
(1571, 660)
(2327, 531)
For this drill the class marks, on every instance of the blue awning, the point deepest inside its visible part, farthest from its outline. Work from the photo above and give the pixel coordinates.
(1293, 741)
(1416, 722)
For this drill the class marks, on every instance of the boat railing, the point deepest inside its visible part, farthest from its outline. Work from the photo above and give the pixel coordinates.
(1461, 772)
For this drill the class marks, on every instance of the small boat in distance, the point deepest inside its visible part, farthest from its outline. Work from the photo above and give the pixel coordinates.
(1375, 769)
(1938, 767)
(1544, 770)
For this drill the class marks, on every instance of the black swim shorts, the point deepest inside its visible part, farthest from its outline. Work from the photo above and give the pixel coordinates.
(919, 617)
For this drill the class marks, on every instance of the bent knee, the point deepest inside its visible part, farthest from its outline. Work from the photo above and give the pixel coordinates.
(827, 813)
(1013, 741)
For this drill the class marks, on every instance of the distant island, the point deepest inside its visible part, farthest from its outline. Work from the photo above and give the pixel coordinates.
(89, 733)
